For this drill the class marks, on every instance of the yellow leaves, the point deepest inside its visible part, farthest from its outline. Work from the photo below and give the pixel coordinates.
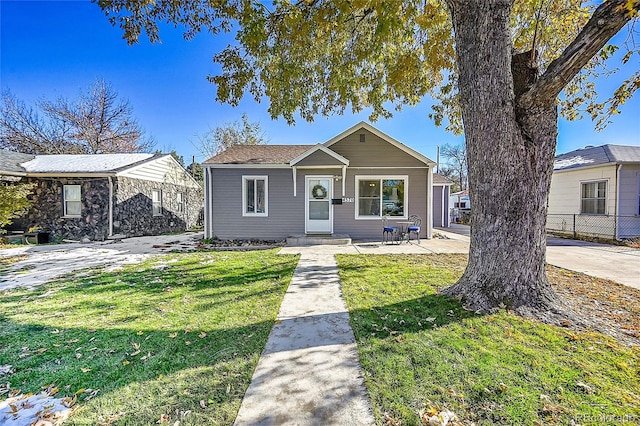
(503, 387)
(125, 362)
(85, 370)
(202, 335)
(173, 335)
(135, 353)
(140, 333)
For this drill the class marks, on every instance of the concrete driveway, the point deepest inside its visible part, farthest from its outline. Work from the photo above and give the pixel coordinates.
(39, 264)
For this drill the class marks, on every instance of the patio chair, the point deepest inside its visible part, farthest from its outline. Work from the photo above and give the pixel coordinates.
(389, 233)
(415, 227)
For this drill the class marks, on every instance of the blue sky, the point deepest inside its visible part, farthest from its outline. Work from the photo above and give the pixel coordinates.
(50, 49)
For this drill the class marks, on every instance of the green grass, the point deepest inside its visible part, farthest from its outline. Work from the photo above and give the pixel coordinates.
(178, 336)
(420, 350)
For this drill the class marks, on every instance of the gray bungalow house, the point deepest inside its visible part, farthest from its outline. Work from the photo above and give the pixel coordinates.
(343, 186)
(103, 195)
(596, 191)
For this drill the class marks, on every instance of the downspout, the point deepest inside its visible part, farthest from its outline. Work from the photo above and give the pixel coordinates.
(617, 192)
(444, 208)
(429, 201)
(207, 199)
(110, 179)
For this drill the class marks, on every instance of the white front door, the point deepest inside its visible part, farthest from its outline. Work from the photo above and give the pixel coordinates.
(318, 209)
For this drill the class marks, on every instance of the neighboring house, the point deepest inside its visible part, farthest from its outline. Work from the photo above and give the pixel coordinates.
(596, 191)
(441, 203)
(460, 207)
(460, 200)
(343, 186)
(104, 195)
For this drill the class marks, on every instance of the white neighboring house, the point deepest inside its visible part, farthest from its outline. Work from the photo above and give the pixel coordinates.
(596, 191)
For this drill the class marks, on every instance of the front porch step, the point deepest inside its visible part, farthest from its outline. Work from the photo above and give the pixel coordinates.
(318, 239)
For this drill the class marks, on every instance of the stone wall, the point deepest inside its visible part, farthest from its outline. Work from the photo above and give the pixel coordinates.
(47, 211)
(132, 208)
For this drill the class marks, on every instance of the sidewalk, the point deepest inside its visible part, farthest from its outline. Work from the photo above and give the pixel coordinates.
(309, 372)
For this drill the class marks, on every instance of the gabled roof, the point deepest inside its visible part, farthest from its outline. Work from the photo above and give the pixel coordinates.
(84, 163)
(438, 179)
(597, 155)
(259, 154)
(10, 162)
(322, 148)
(381, 135)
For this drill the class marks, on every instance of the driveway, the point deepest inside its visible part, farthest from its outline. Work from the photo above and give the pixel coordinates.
(39, 264)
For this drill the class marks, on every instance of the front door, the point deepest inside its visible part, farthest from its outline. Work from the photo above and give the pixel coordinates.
(319, 214)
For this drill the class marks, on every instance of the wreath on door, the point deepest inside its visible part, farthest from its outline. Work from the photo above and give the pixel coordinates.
(319, 192)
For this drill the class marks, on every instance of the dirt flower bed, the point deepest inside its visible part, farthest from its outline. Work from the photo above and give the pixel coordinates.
(240, 245)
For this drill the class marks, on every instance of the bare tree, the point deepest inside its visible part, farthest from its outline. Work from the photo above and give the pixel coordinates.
(456, 164)
(230, 134)
(98, 122)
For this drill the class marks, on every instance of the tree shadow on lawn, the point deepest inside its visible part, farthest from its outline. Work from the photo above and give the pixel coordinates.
(144, 374)
(187, 342)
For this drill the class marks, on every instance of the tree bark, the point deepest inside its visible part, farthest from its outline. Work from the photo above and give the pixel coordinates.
(511, 125)
(510, 157)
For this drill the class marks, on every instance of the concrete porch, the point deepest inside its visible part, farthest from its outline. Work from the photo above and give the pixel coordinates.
(318, 239)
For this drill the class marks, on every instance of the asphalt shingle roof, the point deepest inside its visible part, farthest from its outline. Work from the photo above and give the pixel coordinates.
(83, 163)
(259, 154)
(596, 155)
(10, 161)
(439, 179)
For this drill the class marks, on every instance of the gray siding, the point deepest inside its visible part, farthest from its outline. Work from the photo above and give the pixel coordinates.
(374, 152)
(319, 158)
(287, 213)
(437, 206)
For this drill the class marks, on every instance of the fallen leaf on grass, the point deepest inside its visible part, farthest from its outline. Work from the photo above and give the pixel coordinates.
(135, 345)
(135, 353)
(125, 362)
(203, 404)
(187, 343)
(85, 370)
(585, 387)
(144, 358)
(173, 335)
(140, 333)
(202, 335)
(163, 419)
(503, 387)
(78, 355)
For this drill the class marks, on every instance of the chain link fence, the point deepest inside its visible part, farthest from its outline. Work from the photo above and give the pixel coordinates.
(602, 226)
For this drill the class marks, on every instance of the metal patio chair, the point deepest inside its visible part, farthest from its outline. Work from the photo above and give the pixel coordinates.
(415, 227)
(389, 233)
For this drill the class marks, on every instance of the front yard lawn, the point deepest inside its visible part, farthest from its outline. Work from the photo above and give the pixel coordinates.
(175, 338)
(424, 354)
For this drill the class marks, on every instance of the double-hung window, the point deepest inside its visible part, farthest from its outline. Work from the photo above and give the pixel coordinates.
(378, 196)
(72, 200)
(156, 202)
(180, 202)
(593, 197)
(255, 197)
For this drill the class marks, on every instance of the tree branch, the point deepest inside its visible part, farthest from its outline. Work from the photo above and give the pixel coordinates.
(606, 21)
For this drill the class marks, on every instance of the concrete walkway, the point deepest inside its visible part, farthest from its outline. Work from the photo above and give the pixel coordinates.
(309, 372)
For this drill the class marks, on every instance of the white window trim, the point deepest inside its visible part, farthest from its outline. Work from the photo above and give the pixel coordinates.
(159, 191)
(180, 201)
(64, 201)
(358, 178)
(246, 178)
(606, 196)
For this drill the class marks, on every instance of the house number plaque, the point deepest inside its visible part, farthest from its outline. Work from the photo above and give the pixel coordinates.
(348, 199)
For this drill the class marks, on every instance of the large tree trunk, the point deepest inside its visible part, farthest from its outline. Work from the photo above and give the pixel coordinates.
(510, 123)
(510, 156)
